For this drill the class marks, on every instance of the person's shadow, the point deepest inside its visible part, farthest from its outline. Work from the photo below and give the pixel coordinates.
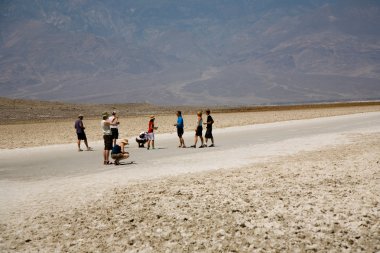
(127, 163)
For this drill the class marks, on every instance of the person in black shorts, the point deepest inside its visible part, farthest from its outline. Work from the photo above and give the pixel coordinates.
(107, 137)
(198, 131)
(209, 123)
(79, 127)
(180, 131)
(114, 119)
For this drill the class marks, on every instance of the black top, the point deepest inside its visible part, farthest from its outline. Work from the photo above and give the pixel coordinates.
(209, 119)
(116, 149)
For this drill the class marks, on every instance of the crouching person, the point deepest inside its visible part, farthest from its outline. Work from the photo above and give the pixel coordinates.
(118, 151)
(142, 139)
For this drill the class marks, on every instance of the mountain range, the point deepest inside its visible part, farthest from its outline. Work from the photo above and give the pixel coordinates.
(215, 52)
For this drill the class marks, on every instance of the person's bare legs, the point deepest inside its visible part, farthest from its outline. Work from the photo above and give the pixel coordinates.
(125, 156)
(86, 143)
(106, 154)
(152, 144)
(212, 141)
(182, 142)
(122, 157)
(202, 142)
(148, 144)
(79, 149)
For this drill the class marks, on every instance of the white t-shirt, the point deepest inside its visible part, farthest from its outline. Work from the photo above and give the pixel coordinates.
(110, 120)
(106, 127)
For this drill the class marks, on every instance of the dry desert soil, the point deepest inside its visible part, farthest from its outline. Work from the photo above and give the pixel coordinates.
(38, 123)
(314, 201)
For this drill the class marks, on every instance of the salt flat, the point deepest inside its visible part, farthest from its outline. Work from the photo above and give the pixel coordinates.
(52, 179)
(53, 168)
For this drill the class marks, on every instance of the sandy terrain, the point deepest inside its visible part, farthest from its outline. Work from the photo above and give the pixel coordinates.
(325, 200)
(62, 131)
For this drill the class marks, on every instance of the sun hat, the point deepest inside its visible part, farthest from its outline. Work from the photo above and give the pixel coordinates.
(152, 117)
(80, 116)
(125, 141)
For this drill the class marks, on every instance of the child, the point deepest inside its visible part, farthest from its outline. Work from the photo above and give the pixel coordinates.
(198, 131)
(209, 123)
(151, 129)
(180, 130)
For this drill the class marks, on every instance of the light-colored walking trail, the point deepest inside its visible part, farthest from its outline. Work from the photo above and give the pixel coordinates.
(59, 175)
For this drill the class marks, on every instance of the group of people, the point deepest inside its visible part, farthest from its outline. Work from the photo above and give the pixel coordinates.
(116, 147)
(112, 143)
(198, 130)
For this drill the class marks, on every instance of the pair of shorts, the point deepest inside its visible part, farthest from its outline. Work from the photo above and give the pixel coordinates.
(150, 136)
(107, 142)
(180, 132)
(115, 133)
(81, 136)
(199, 131)
(208, 134)
(117, 156)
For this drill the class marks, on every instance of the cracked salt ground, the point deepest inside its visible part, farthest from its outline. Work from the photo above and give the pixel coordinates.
(322, 198)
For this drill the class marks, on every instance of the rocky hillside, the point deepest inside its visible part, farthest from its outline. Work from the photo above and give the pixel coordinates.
(190, 52)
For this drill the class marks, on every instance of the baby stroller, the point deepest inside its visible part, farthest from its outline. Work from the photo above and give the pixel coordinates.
(142, 139)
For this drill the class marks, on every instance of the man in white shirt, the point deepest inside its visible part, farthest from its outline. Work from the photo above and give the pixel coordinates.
(107, 137)
(114, 126)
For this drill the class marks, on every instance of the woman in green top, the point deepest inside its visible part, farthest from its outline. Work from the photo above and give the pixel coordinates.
(198, 131)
